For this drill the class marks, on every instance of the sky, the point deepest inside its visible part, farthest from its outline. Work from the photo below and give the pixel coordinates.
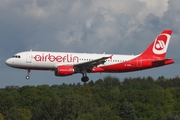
(86, 26)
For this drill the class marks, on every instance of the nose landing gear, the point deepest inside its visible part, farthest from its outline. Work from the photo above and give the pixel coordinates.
(28, 72)
(27, 77)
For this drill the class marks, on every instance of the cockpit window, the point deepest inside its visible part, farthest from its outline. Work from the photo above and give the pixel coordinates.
(16, 56)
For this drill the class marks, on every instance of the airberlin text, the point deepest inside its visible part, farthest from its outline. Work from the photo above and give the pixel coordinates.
(56, 58)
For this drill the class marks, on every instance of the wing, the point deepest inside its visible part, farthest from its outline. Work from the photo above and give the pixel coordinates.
(91, 64)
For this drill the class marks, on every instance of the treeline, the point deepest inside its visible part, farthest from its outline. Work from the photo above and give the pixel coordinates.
(103, 99)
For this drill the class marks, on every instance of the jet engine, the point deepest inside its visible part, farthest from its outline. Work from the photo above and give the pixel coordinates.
(64, 70)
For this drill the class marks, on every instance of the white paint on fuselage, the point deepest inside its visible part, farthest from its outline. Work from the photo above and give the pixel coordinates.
(50, 60)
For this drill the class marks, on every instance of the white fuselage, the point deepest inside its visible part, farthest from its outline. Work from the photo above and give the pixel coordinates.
(50, 60)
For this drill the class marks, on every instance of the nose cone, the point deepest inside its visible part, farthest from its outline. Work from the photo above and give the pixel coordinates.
(9, 62)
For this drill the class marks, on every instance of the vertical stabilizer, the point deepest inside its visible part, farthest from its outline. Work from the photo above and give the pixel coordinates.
(159, 46)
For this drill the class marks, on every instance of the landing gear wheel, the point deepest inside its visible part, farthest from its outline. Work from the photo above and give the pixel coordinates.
(28, 73)
(84, 79)
(27, 77)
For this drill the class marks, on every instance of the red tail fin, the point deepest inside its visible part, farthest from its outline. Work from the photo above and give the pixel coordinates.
(159, 46)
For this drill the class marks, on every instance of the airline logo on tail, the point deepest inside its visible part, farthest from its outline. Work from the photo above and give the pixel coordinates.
(161, 43)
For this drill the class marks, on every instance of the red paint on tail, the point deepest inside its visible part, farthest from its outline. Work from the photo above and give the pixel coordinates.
(159, 46)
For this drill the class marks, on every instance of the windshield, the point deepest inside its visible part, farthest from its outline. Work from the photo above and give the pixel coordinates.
(16, 56)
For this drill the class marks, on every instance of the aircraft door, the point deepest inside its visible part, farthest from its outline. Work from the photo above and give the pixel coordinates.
(139, 62)
(28, 58)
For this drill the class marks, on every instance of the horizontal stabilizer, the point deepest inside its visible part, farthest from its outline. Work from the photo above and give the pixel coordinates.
(162, 62)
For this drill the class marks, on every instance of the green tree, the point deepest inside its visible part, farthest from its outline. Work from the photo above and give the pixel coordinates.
(73, 106)
(110, 82)
(6, 104)
(103, 113)
(1, 117)
(91, 83)
(99, 82)
(127, 111)
(107, 99)
(30, 96)
(49, 109)
(86, 116)
(18, 114)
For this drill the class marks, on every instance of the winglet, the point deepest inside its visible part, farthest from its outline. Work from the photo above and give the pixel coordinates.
(110, 56)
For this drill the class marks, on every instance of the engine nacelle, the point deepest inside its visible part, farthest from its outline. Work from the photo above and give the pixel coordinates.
(64, 70)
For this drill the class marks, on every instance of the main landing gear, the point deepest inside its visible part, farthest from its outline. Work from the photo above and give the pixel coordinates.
(28, 72)
(84, 78)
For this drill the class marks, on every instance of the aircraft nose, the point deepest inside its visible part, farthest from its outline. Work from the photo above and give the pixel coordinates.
(8, 62)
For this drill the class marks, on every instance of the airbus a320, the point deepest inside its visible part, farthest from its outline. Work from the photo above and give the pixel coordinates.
(66, 64)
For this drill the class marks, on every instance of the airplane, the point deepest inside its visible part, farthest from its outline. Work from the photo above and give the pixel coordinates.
(66, 64)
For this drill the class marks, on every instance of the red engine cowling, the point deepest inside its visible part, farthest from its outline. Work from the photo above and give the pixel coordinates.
(64, 70)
